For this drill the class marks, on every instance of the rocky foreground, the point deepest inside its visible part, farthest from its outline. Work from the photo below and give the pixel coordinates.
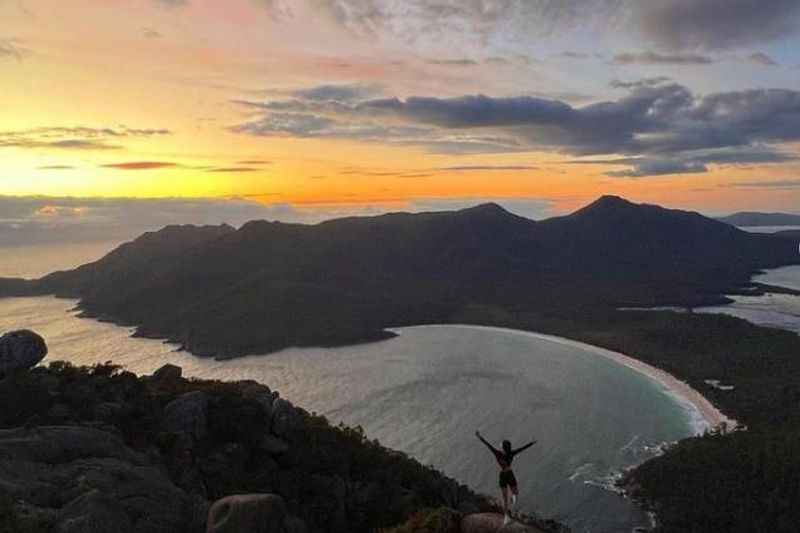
(99, 449)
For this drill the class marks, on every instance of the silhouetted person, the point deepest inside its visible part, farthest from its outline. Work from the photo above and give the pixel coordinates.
(508, 482)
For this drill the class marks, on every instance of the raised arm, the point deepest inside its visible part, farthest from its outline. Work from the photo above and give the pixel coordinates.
(488, 445)
(518, 450)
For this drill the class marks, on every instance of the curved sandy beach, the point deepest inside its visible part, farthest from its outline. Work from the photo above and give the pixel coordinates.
(705, 415)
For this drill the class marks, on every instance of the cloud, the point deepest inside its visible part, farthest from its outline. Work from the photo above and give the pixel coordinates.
(569, 54)
(644, 82)
(662, 121)
(658, 167)
(10, 49)
(73, 138)
(172, 3)
(339, 93)
(654, 58)
(56, 167)
(469, 25)
(692, 162)
(774, 184)
(462, 24)
(715, 24)
(254, 162)
(453, 62)
(140, 165)
(762, 59)
(234, 169)
(473, 111)
(472, 168)
(150, 33)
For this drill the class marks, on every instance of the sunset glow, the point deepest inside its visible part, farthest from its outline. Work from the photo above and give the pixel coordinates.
(379, 103)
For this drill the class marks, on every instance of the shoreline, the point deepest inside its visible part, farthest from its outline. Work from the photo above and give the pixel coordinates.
(704, 415)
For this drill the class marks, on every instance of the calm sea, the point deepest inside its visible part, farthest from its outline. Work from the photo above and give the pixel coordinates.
(773, 310)
(426, 392)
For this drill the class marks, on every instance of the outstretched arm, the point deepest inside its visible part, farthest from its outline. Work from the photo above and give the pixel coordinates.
(488, 445)
(518, 450)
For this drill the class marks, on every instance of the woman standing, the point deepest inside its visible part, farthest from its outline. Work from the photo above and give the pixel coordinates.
(508, 482)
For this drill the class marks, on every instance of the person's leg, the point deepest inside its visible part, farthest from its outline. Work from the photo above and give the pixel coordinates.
(514, 493)
(504, 490)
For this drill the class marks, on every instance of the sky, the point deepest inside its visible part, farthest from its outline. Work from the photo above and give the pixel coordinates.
(119, 115)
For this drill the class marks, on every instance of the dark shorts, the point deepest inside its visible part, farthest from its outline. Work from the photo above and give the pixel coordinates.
(507, 479)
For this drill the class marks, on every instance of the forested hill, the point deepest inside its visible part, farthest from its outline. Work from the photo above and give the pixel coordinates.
(270, 285)
(747, 218)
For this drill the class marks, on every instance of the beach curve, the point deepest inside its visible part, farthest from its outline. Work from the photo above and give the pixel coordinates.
(705, 415)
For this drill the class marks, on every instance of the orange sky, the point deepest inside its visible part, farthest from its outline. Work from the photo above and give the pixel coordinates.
(92, 89)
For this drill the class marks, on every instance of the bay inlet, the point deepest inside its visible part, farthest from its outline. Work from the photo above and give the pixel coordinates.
(426, 391)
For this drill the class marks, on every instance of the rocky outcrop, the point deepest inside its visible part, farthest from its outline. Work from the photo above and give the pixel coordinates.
(20, 350)
(88, 481)
(252, 513)
(100, 450)
(167, 373)
(493, 523)
(187, 414)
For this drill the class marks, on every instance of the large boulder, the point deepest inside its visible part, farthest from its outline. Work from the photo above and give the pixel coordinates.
(93, 512)
(167, 373)
(20, 350)
(286, 418)
(91, 482)
(251, 513)
(493, 523)
(188, 414)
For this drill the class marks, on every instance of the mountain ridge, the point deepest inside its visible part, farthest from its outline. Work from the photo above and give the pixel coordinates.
(268, 285)
(755, 218)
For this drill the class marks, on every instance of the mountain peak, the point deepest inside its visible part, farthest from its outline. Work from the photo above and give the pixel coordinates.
(609, 200)
(488, 207)
(605, 205)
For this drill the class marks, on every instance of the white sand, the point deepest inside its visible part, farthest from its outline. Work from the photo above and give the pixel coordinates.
(705, 415)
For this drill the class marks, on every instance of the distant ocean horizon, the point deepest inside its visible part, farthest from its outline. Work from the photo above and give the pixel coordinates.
(33, 261)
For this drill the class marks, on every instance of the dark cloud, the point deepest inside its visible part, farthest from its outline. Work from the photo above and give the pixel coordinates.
(659, 167)
(473, 111)
(664, 122)
(762, 59)
(710, 25)
(254, 162)
(141, 165)
(655, 58)
(716, 24)
(690, 162)
(56, 167)
(339, 93)
(644, 82)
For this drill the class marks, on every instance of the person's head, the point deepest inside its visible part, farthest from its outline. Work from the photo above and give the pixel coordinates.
(507, 446)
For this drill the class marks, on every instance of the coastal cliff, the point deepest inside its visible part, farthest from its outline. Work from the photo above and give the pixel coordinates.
(99, 449)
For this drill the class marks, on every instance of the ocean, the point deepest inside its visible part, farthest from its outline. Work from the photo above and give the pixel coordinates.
(772, 310)
(426, 391)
